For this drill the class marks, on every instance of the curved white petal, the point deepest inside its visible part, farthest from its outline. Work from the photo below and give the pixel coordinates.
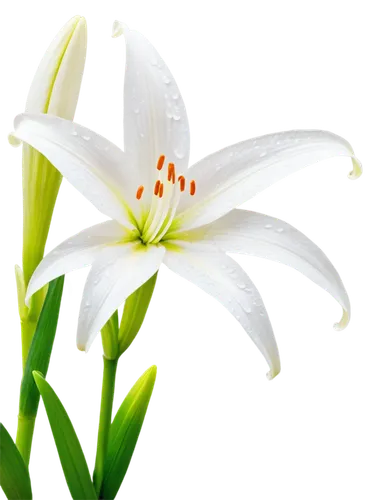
(231, 176)
(56, 84)
(115, 275)
(220, 276)
(155, 119)
(76, 252)
(259, 235)
(91, 163)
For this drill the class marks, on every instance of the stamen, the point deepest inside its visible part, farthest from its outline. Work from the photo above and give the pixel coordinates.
(140, 192)
(156, 188)
(160, 163)
(181, 180)
(171, 173)
(192, 188)
(161, 190)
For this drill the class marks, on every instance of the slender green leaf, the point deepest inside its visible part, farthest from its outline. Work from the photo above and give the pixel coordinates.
(14, 476)
(124, 433)
(41, 348)
(70, 452)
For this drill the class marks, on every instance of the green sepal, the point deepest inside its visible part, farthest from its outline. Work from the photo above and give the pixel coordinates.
(14, 476)
(134, 313)
(41, 348)
(70, 452)
(124, 433)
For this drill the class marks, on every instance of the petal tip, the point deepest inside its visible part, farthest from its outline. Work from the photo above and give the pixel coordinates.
(274, 371)
(357, 169)
(343, 323)
(117, 29)
(13, 140)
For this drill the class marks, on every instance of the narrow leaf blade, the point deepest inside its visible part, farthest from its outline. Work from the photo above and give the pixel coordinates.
(124, 433)
(14, 476)
(41, 348)
(70, 452)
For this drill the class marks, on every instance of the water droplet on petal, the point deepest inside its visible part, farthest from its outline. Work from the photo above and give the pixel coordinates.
(86, 137)
(179, 153)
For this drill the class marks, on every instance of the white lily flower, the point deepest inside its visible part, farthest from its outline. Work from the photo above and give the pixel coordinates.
(165, 212)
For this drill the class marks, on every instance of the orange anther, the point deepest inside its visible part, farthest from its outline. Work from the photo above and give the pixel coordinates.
(140, 192)
(192, 188)
(156, 188)
(160, 163)
(182, 181)
(171, 173)
(161, 190)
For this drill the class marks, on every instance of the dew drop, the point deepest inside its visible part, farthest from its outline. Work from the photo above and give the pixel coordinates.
(75, 133)
(268, 226)
(280, 230)
(86, 137)
(180, 153)
(262, 155)
(241, 286)
(166, 79)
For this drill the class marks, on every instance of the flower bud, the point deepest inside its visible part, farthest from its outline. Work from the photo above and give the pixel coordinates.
(135, 309)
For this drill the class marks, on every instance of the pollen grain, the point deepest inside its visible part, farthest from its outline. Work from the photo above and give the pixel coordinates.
(140, 192)
(157, 187)
(182, 181)
(160, 163)
(171, 173)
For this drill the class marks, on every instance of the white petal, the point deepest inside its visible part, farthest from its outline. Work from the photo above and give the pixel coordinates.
(220, 276)
(56, 84)
(228, 178)
(92, 164)
(115, 275)
(74, 253)
(259, 235)
(155, 120)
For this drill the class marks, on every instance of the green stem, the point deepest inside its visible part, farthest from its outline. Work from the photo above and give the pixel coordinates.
(108, 389)
(27, 332)
(25, 431)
